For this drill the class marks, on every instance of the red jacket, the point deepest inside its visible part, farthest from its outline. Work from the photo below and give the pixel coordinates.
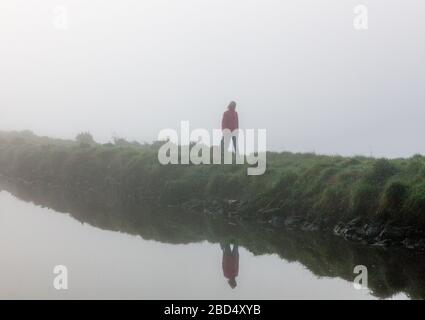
(230, 266)
(230, 120)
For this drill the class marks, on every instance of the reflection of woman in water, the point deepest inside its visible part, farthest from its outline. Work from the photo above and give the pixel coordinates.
(230, 263)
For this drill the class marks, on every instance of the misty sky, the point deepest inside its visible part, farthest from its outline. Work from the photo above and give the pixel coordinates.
(297, 68)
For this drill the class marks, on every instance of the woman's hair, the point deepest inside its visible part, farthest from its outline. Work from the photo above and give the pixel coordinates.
(232, 105)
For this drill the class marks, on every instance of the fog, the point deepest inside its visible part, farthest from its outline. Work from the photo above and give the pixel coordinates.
(297, 68)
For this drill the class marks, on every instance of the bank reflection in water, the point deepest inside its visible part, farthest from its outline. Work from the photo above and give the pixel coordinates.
(390, 271)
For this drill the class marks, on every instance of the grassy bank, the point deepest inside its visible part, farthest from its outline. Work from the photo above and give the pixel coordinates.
(321, 189)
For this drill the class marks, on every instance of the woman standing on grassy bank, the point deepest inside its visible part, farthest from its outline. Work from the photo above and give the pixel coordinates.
(229, 124)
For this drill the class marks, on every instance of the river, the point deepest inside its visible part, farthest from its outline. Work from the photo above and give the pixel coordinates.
(180, 264)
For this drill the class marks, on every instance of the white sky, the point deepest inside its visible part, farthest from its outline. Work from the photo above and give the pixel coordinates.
(297, 68)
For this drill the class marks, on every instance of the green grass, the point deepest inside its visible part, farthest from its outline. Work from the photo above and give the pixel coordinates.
(316, 187)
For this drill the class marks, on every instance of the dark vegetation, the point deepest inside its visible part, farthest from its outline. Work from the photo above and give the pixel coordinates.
(307, 190)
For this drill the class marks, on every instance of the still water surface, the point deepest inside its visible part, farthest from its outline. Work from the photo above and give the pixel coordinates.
(109, 264)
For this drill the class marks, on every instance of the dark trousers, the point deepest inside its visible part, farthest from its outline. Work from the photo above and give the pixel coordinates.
(228, 251)
(224, 146)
